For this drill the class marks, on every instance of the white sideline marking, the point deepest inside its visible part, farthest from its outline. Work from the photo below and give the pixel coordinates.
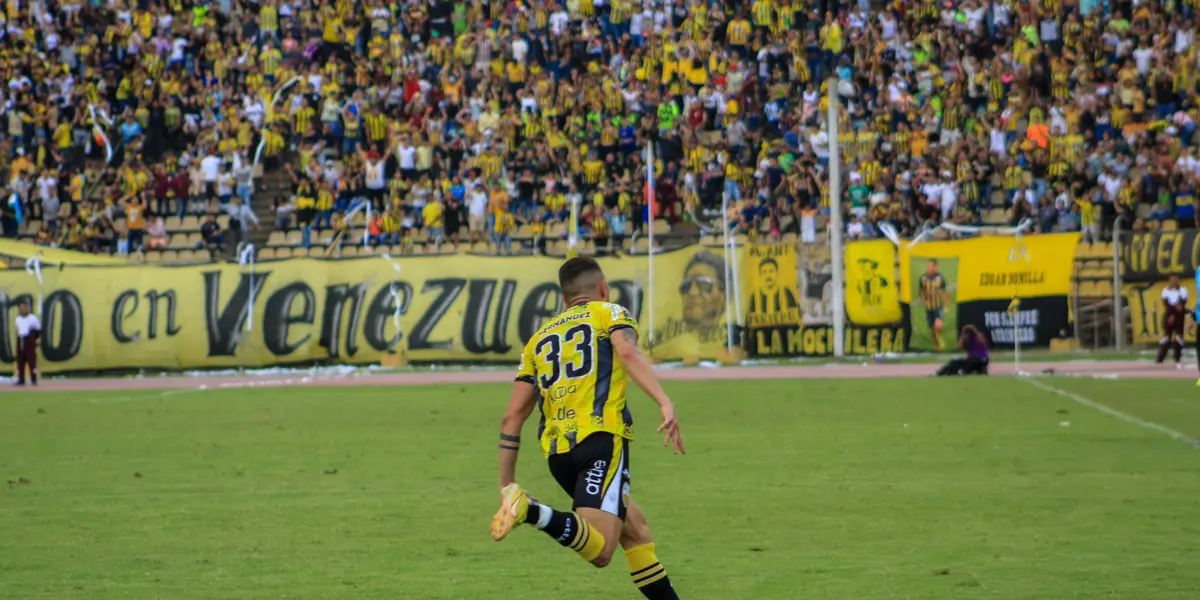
(1112, 412)
(149, 396)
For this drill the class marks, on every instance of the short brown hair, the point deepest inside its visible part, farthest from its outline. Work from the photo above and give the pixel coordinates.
(577, 274)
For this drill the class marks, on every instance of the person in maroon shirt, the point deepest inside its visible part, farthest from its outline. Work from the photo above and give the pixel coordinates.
(1174, 303)
(29, 328)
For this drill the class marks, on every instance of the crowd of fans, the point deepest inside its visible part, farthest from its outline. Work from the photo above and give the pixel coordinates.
(432, 117)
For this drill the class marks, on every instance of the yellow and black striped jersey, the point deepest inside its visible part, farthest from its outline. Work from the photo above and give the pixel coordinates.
(580, 381)
(933, 290)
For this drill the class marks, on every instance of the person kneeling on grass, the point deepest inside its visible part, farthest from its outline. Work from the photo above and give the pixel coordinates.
(976, 361)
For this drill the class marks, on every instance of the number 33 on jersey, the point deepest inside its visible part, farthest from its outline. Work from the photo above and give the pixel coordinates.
(581, 386)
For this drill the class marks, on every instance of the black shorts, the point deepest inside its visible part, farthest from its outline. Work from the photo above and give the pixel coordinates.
(595, 473)
(1176, 327)
(931, 315)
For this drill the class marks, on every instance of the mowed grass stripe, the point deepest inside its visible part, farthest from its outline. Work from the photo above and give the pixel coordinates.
(931, 489)
(1108, 410)
(1171, 403)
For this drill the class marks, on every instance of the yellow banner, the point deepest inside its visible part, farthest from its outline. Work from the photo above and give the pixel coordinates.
(55, 256)
(1144, 300)
(998, 267)
(456, 308)
(770, 273)
(872, 293)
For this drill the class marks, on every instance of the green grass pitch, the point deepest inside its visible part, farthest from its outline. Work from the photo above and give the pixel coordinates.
(921, 489)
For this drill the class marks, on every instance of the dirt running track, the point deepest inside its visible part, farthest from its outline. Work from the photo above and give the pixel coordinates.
(1104, 369)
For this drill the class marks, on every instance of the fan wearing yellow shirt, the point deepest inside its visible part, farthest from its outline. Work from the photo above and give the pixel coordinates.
(270, 58)
(503, 228)
(268, 21)
(1090, 214)
(593, 170)
(575, 371)
(434, 216)
(737, 33)
(764, 15)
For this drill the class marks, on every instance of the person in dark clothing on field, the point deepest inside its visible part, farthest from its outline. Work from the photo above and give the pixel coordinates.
(976, 361)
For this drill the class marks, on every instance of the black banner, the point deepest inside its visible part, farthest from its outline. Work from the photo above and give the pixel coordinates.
(817, 340)
(1155, 256)
(1037, 320)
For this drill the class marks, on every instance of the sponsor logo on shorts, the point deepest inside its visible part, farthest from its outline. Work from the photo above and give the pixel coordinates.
(595, 477)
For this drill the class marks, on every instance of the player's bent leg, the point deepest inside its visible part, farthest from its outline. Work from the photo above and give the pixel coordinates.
(648, 574)
(595, 474)
(607, 527)
(569, 529)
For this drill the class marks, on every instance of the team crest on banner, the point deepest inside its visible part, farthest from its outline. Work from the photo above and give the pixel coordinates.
(872, 292)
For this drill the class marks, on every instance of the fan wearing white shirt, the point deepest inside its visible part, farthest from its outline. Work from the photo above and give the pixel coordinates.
(406, 159)
(29, 328)
(1174, 303)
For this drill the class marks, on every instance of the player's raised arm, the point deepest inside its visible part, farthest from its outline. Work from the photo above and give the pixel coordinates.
(624, 341)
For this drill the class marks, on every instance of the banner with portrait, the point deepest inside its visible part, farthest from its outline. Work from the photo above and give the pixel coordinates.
(872, 293)
(946, 285)
(301, 311)
(771, 296)
(787, 302)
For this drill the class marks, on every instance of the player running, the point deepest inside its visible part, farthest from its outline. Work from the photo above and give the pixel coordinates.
(575, 369)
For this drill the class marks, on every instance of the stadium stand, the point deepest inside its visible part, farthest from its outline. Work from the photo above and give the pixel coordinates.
(473, 126)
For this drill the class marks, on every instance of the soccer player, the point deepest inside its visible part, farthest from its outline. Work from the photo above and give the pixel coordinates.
(933, 296)
(575, 370)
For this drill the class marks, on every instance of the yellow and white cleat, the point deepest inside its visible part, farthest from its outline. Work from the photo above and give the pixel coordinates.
(514, 505)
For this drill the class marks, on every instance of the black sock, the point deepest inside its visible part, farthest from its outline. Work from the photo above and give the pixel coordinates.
(534, 513)
(563, 526)
(568, 529)
(649, 575)
(659, 590)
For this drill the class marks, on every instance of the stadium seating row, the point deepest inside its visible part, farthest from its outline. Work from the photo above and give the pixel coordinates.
(1095, 289)
(524, 233)
(188, 224)
(174, 223)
